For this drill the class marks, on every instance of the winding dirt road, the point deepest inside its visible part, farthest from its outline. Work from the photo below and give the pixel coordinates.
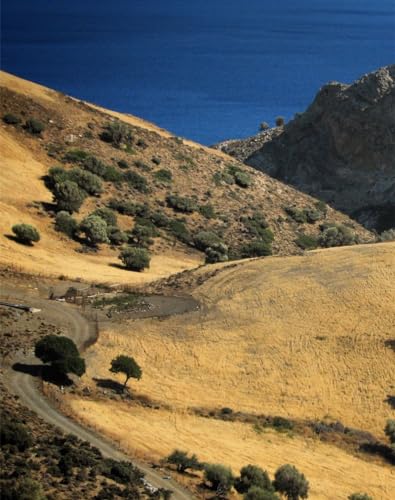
(27, 388)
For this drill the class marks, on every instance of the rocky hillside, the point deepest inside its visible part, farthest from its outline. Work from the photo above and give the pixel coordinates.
(341, 149)
(183, 202)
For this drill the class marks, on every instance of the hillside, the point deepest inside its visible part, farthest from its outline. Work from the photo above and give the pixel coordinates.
(169, 188)
(341, 149)
(305, 338)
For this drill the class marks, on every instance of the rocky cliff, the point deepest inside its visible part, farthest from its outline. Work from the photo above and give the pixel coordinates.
(341, 149)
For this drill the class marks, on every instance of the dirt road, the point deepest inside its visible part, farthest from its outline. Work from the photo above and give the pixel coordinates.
(27, 387)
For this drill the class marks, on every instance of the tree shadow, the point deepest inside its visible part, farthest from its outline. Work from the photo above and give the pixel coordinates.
(112, 385)
(379, 449)
(16, 240)
(390, 343)
(118, 266)
(391, 401)
(46, 373)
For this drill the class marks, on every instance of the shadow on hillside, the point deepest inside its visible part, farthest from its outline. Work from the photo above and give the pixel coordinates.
(379, 449)
(118, 266)
(391, 401)
(112, 385)
(15, 239)
(390, 343)
(45, 372)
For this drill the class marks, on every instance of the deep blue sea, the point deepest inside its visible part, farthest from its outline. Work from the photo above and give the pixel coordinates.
(207, 69)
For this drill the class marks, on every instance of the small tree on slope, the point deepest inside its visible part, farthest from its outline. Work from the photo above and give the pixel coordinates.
(126, 365)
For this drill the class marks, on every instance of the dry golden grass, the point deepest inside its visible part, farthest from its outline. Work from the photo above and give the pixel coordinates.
(332, 473)
(21, 185)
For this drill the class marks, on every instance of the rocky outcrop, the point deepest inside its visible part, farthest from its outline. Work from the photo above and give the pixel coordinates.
(341, 149)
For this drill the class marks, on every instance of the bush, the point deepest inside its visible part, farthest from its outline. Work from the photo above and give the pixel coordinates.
(116, 236)
(252, 475)
(205, 239)
(264, 126)
(127, 207)
(181, 203)
(336, 235)
(243, 179)
(163, 175)
(108, 215)
(95, 229)
(390, 430)
(11, 119)
(216, 253)
(68, 196)
(142, 235)
(14, 434)
(159, 219)
(258, 248)
(256, 225)
(290, 482)
(121, 472)
(61, 352)
(156, 160)
(76, 156)
(135, 259)
(359, 496)
(306, 242)
(94, 165)
(25, 233)
(207, 211)
(309, 214)
(256, 493)
(34, 126)
(220, 477)
(136, 181)
(297, 214)
(66, 224)
(280, 121)
(117, 133)
(24, 488)
(112, 174)
(142, 166)
(183, 461)
(123, 164)
(87, 181)
(388, 235)
(55, 176)
(180, 231)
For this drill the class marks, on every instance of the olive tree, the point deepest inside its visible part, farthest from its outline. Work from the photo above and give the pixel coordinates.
(252, 475)
(126, 365)
(95, 229)
(290, 482)
(220, 477)
(25, 233)
(135, 259)
(183, 462)
(61, 353)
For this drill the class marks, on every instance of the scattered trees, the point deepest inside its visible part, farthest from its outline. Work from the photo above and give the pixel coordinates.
(25, 233)
(126, 365)
(290, 482)
(62, 353)
(252, 475)
(135, 259)
(183, 462)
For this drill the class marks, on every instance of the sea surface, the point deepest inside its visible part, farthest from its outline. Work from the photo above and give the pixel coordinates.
(206, 70)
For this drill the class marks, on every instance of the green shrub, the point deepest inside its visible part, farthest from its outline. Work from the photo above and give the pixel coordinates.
(11, 119)
(334, 235)
(117, 133)
(34, 126)
(156, 160)
(55, 176)
(66, 224)
(95, 229)
(256, 225)
(257, 248)
(264, 126)
(159, 219)
(256, 493)
(136, 181)
(243, 179)
(207, 211)
(24, 488)
(180, 231)
(181, 203)
(127, 207)
(94, 165)
(220, 477)
(123, 164)
(76, 156)
(390, 430)
(142, 235)
(135, 259)
(26, 233)
(205, 239)
(217, 252)
(108, 215)
(68, 196)
(183, 462)
(13, 433)
(116, 236)
(306, 242)
(309, 214)
(290, 482)
(252, 475)
(297, 214)
(359, 496)
(388, 235)
(112, 174)
(142, 166)
(163, 175)
(87, 181)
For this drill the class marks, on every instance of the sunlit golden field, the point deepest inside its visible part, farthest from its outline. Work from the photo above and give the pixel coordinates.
(303, 337)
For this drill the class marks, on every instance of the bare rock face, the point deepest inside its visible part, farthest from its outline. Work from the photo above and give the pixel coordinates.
(341, 149)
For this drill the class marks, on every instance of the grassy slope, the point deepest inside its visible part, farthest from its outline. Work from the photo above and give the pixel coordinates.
(301, 337)
(25, 160)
